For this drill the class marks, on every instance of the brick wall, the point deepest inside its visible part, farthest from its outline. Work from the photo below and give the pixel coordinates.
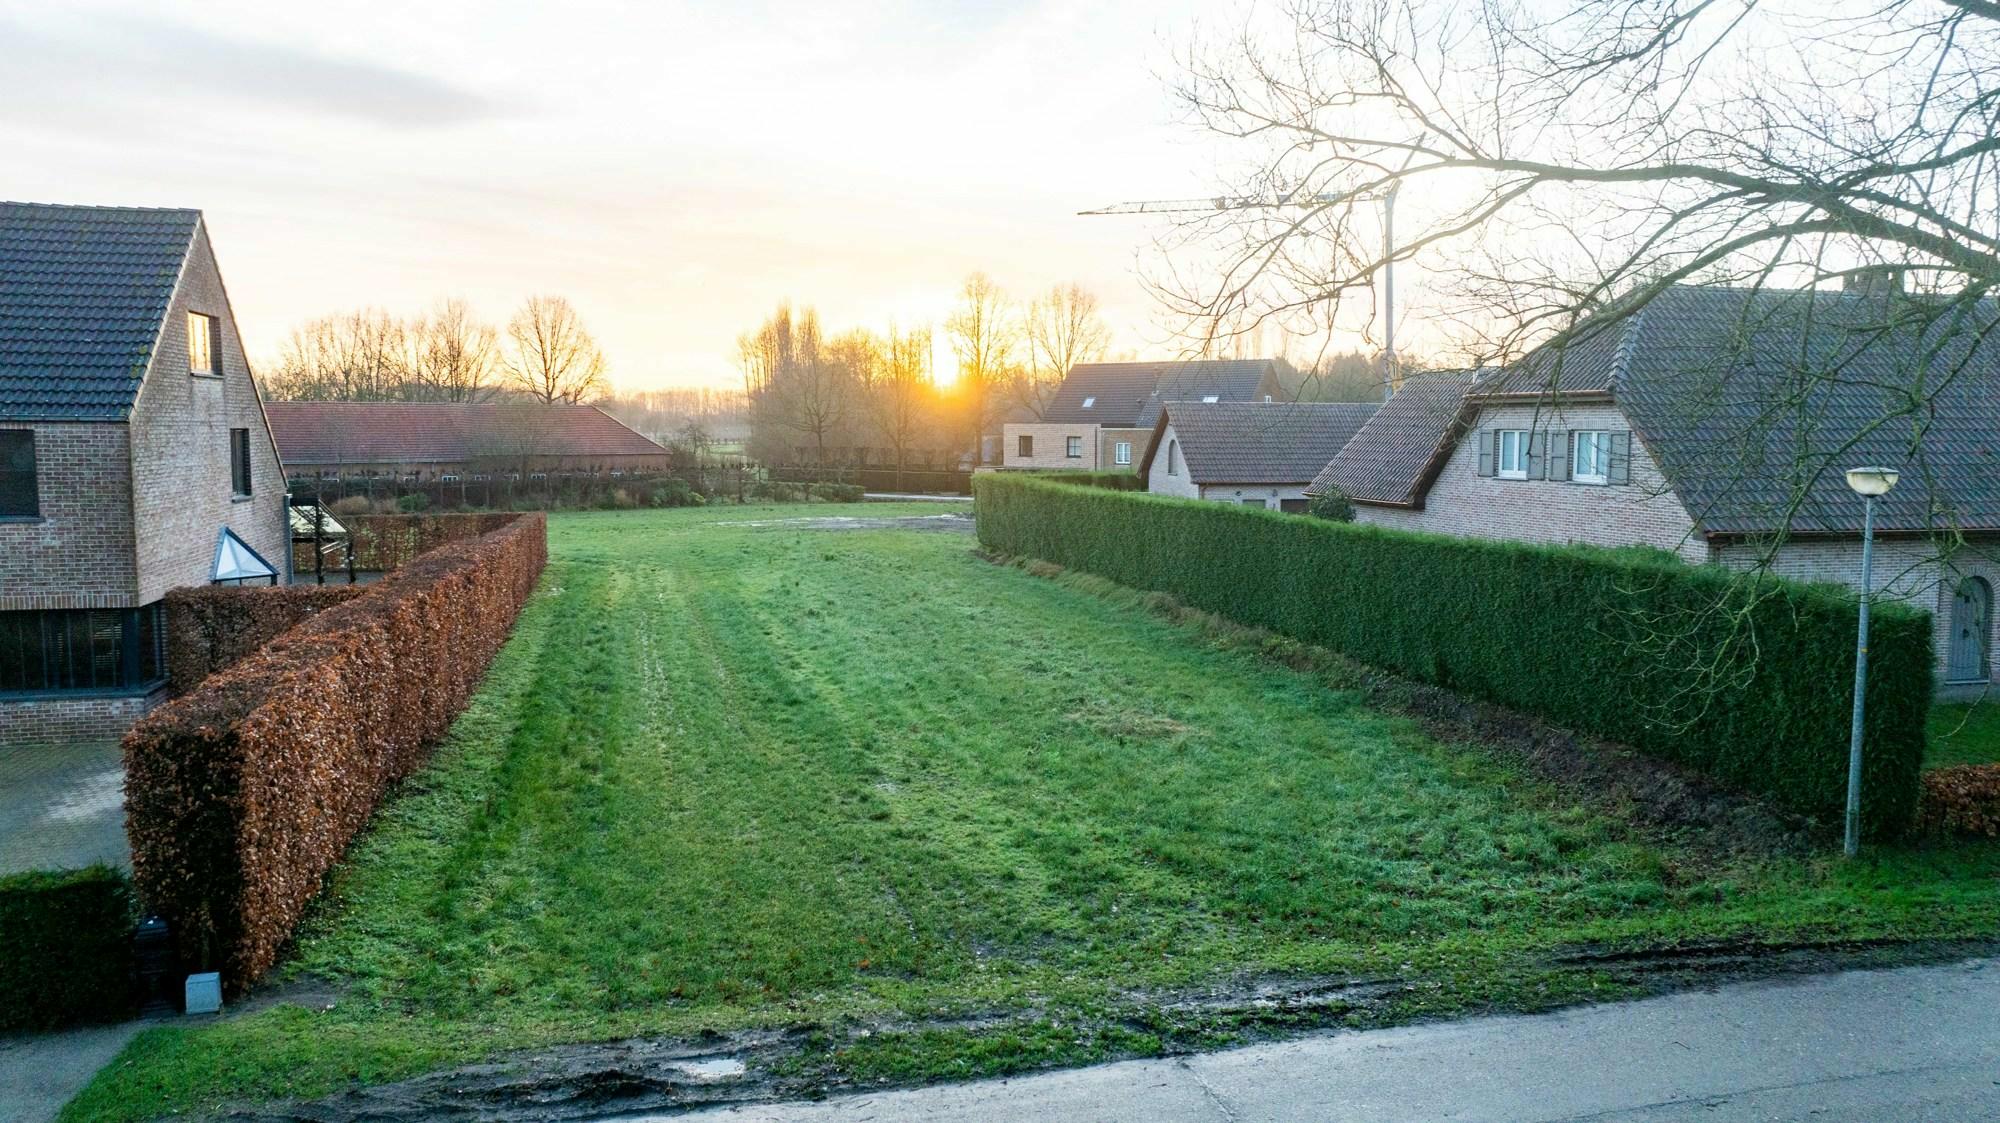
(1108, 440)
(1160, 480)
(52, 721)
(1271, 495)
(180, 448)
(1051, 443)
(1465, 503)
(78, 554)
(1919, 572)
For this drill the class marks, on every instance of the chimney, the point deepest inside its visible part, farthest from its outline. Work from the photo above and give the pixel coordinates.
(1880, 281)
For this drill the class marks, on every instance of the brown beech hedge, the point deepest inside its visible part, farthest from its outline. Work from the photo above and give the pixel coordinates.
(1962, 799)
(211, 627)
(242, 794)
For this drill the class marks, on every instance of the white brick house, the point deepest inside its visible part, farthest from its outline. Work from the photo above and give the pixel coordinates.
(134, 458)
(1257, 454)
(1694, 427)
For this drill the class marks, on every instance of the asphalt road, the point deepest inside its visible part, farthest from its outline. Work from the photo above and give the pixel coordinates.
(1920, 1043)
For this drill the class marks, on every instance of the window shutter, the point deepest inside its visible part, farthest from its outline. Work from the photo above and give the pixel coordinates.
(1619, 471)
(1486, 452)
(1538, 453)
(1560, 442)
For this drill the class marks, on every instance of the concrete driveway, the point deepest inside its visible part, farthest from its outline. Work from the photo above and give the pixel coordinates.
(62, 806)
(1913, 1043)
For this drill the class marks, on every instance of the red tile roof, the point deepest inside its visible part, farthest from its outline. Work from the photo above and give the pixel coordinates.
(446, 432)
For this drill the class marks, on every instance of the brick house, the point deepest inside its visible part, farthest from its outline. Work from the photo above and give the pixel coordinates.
(1103, 413)
(455, 440)
(1706, 424)
(134, 458)
(1259, 454)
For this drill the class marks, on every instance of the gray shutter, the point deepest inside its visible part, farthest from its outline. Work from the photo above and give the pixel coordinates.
(1560, 443)
(1538, 453)
(1486, 452)
(1619, 471)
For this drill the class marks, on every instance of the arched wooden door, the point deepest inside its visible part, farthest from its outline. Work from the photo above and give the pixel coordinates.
(1971, 658)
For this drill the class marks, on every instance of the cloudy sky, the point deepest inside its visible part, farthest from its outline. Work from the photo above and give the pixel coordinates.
(674, 168)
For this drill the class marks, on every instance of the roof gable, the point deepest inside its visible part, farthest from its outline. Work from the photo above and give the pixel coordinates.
(1393, 456)
(1257, 442)
(1129, 395)
(83, 291)
(446, 432)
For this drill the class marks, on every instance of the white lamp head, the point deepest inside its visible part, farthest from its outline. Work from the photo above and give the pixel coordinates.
(1872, 481)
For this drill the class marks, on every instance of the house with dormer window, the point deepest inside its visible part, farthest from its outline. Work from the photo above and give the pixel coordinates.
(1716, 424)
(134, 458)
(1104, 413)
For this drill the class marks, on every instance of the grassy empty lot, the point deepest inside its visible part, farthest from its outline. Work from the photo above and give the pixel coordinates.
(731, 776)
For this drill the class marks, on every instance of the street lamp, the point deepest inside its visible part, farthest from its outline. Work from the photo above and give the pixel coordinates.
(1868, 483)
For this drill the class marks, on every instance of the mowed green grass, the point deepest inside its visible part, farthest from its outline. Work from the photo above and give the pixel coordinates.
(1964, 733)
(731, 776)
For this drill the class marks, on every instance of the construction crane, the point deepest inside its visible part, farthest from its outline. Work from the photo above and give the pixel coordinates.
(1293, 199)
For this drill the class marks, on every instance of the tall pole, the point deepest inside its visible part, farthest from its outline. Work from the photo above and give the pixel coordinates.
(1389, 291)
(1860, 678)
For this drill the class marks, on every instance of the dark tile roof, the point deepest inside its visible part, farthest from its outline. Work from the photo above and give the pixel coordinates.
(1257, 442)
(1755, 403)
(1386, 461)
(1129, 395)
(324, 433)
(82, 294)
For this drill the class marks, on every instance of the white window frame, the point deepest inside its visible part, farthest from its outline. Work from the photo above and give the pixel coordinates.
(1211, 399)
(1600, 445)
(1500, 469)
(1073, 448)
(1121, 453)
(1173, 458)
(201, 344)
(1090, 401)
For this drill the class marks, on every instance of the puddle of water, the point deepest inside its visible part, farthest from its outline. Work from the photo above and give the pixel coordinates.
(712, 1068)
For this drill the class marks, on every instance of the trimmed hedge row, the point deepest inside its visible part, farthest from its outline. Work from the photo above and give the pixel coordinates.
(65, 948)
(242, 794)
(213, 626)
(1748, 680)
(1125, 480)
(383, 543)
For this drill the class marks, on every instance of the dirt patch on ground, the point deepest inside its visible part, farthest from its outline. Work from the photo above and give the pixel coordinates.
(574, 1082)
(950, 523)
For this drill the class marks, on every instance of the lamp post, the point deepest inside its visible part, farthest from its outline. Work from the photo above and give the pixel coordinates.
(1868, 483)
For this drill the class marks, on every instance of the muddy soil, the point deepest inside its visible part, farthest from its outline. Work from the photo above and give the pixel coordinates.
(595, 1081)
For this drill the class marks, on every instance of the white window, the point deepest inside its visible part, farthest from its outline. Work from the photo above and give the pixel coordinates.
(1088, 402)
(1122, 452)
(1590, 456)
(1512, 454)
(1173, 458)
(1211, 397)
(1074, 448)
(201, 343)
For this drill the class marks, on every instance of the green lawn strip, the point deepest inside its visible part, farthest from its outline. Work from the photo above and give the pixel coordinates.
(730, 777)
(1964, 733)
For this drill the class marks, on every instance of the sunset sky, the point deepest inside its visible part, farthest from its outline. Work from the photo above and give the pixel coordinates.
(675, 169)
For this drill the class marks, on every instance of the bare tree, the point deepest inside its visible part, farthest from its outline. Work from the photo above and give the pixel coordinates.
(359, 356)
(794, 380)
(1063, 328)
(552, 356)
(900, 392)
(1555, 167)
(985, 335)
(455, 357)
